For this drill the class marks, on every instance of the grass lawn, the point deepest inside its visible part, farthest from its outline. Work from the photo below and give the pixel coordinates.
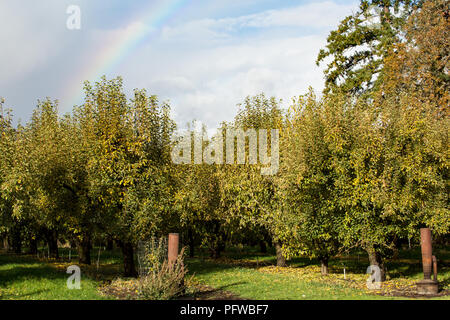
(26, 278)
(253, 276)
(254, 284)
(249, 275)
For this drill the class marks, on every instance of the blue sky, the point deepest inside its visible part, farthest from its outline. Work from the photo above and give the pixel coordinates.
(205, 58)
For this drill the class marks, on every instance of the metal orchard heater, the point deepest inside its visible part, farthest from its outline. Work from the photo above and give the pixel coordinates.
(174, 240)
(427, 285)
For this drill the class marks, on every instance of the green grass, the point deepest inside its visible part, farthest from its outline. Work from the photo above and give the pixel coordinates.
(248, 280)
(252, 284)
(25, 278)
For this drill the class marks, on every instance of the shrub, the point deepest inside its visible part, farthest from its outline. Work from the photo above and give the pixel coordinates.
(164, 281)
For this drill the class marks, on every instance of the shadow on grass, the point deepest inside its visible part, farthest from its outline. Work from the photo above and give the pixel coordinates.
(220, 293)
(13, 258)
(406, 264)
(25, 277)
(38, 272)
(12, 296)
(199, 266)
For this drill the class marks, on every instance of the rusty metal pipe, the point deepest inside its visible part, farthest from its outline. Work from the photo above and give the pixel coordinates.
(174, 240)
(427, 286)
(434, 268)
(427, 255)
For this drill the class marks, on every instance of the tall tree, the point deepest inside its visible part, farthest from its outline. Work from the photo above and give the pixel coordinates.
(358, 46)
(129, 150)
(34, 183)
(7, 153)
(309, 178)
(249, 197)
(422, 62)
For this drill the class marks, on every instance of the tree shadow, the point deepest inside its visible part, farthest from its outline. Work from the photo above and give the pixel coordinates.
(16, 274)
(15, 297)
(199, 266)
(209, 293)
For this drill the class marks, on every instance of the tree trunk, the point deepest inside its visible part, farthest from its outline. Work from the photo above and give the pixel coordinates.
(128, 259)
(109, 244)
(191, 243)
(215, 252)
(324, 266)
(33, 246)
(6, 244)
(17, 247)
(217, 248)
(221, 246)
(84, 249)
(263, 246)
(375, 259)
(52, 242)
(16, 241)
(281, 260)
(53, 248)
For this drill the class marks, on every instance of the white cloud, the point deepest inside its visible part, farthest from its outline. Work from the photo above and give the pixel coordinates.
(312, 15)
(27, 39)
(207, 85)
(315, 15)
(214, 67)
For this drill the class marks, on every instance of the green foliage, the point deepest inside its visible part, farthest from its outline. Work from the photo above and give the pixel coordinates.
(358, 47)
(6, 164)
(314, 148)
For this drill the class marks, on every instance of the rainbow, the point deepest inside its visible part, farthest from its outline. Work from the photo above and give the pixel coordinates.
(118, 49)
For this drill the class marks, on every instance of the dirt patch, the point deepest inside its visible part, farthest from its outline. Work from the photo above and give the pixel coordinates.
(413, 294)
(120, 289)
